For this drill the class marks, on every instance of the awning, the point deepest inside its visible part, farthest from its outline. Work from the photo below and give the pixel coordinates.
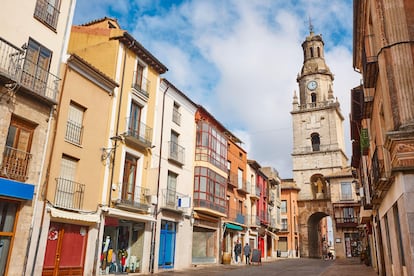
(16, 189)
(233, 227)
(79, 217)
(113, 212)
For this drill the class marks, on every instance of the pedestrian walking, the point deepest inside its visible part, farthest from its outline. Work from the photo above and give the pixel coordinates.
(246, 251)
(237, 251)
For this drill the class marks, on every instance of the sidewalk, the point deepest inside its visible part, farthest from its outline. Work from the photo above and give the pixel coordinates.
(349, 266)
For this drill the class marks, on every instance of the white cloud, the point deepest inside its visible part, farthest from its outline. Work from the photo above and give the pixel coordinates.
(240, 60)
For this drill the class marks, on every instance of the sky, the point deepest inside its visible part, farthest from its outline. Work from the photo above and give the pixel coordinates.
(239, 59)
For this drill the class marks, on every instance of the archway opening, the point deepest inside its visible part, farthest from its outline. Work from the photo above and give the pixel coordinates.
(319, 235)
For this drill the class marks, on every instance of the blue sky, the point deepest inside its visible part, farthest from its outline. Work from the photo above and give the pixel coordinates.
(240, 59)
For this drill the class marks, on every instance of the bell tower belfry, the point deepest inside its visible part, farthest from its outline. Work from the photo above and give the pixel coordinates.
(318, 137)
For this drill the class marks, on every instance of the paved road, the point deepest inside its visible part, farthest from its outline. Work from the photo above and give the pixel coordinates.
(282, 267)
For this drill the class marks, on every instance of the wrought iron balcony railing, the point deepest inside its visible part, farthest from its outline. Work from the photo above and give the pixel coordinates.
(141, 84)
(74, 132)
(172, 199)
(26, 73)
(69, 194)
(176, 152)
(235, 216)
(15, 164)
(254, 221)
(46, 12)
(138, 132)
(139, 203)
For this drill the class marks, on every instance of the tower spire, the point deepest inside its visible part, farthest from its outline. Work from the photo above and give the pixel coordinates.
(310, 25)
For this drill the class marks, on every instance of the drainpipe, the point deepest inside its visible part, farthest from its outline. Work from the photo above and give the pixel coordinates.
(154, 224)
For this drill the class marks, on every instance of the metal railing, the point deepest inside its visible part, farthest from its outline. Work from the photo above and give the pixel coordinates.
(74, 132)
(69, 194)
(25, 72)
(47, 13)
(139, 131)
(235, 215)
(171, 198)
(140, 83)
(317, 105)
(139, 201)
(15, 164)
(176, 152)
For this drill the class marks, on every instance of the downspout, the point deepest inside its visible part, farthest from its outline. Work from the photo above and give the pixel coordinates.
(44, 196)
(154, 223)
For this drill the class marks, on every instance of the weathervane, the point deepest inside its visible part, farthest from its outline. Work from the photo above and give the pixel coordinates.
(310, 25)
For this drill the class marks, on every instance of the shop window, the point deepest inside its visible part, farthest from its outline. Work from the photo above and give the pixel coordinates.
(8, 213)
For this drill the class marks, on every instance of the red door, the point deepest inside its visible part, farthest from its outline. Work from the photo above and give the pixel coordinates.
(261, 246)
(65, 250)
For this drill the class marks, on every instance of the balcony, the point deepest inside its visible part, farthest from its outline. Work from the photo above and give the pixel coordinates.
(346, 222)
(141, 84)
(254, 221)
(174, 201)
(370, 69)
(139, 204)
(317, 105)
(208, 207)
(253, 190)
(176, 153)
(382, 178)
(74, 133)
(15, 164)
(17, 70)
(232, 179)
(235, 215)
(69, 194)
(263, 217)
(47, 13)
(138, 134)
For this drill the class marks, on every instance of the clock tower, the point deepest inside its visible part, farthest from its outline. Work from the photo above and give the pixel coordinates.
(318, 137)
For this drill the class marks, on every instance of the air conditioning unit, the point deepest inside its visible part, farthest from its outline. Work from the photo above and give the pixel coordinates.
(152, 199)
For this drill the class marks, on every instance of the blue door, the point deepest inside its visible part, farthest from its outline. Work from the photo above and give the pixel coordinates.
(167, 244)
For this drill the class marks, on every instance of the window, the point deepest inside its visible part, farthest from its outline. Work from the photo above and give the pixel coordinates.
(176, 114)
(135, 119)
(284, 224)
(211, 145)
(8, 213)
(209, 189)
(174, 145)
(313, 98)
(348, 213)
(140, 83)
(240, 178)
(171, 189)
(346, 191)
(398, 233)
(283, 206)
(129, 179)
(47, 11)
(315, 142)
(36, 67)
(69, 194)
(74, 125)
(16, 155)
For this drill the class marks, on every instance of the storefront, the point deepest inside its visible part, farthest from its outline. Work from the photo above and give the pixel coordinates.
(126, 242)
(13, 211)
(205, 240)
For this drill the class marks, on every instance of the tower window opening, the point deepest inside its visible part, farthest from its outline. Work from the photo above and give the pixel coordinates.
(313, 99)
(319, 52)
(311, 52)
(316, 142)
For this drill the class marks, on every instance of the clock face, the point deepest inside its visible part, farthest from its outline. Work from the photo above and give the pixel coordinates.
(312, 85)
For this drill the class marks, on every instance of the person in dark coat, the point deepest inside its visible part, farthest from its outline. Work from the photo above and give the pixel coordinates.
(237, 251)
